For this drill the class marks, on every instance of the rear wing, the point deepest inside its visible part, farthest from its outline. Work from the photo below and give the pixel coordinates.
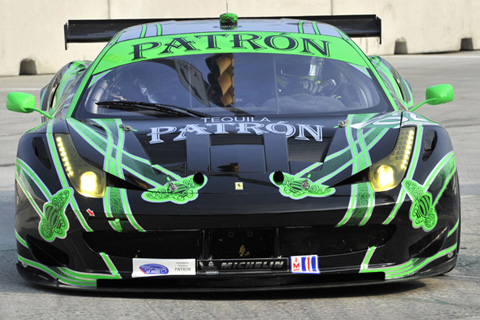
(82, 31)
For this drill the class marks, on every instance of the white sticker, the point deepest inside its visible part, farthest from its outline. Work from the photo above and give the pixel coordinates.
(304, 264)
(163, 267)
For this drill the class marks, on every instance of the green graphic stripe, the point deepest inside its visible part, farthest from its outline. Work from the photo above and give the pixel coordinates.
(308, 169)
(337, 154)
(408, 268)
(21, 240)
(89, 72)
(315, 27)
(30, 198)
(454, 228)
(71, 277)
(61, 175)
(144, 30)
(345, 166)
(99, 143)
(447, 181)
(351, 206)
(159, 29)
(128, 211)
(409, 175)
(352, 144)
(377, 138)
(88, 134)
(110, 265)
(55, 273)
(107, 208)
(33, 176)
(371, 205)
(440, 165)
(300, 26)
(373, 70)
(366, 260)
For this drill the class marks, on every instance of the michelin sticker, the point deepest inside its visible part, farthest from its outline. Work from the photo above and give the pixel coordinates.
(162, 267)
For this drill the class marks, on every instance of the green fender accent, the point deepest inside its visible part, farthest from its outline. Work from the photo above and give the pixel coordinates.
(405, 269)
(180, 191)
(75, 278)
(422, 211)
(296, 187)
(54, 223)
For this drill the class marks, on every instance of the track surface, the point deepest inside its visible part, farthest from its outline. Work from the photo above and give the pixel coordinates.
(453, 296)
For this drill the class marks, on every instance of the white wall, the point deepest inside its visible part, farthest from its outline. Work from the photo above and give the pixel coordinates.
(33, 29)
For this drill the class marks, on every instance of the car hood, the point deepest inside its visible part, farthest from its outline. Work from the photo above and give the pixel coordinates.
(220, 146)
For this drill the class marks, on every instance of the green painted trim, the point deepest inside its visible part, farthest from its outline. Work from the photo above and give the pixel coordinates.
(62, 177)
(455, 227)
(300, 26)
(21, 240)
(168, 46)
(411, 171)
(74, 278)
(403, 270)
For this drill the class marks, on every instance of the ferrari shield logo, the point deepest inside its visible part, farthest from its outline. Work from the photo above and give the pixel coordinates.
(238, 185)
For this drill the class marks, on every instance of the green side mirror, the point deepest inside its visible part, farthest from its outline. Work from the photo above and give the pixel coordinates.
(441, 93)
(21, 102)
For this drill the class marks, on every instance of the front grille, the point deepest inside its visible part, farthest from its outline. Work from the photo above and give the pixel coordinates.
(239, 243)
(162, 244)
(329, 241)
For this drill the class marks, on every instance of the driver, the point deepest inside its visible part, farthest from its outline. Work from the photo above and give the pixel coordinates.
(302, 74)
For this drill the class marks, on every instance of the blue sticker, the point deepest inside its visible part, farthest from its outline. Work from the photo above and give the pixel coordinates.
(154, 269)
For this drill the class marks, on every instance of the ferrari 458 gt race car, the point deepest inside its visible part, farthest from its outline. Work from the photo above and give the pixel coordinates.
(232, 154)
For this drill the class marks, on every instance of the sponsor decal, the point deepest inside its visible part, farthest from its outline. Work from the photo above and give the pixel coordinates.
(304, 264)
(162, 267)
(90, 213)
(175, 45)
(239, 125)
(153, 268)
(243, 265)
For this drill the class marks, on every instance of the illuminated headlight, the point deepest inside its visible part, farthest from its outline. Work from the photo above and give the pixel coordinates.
(387, 173)
(85, 178)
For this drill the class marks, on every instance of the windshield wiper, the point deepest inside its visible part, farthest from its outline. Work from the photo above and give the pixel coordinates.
(166, 108)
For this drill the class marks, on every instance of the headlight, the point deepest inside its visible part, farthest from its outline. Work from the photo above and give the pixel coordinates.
(387, 173)
(85, 178)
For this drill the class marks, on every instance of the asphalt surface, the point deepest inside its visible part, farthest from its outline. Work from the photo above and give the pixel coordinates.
(453, 296)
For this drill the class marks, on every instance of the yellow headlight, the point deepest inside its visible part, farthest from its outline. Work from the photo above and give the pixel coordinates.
(86, 179)
(88, 182)
(387, 173)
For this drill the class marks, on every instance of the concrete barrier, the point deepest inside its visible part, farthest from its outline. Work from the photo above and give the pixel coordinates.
(31, 31)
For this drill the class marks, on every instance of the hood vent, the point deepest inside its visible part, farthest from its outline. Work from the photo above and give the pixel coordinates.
(234, 153)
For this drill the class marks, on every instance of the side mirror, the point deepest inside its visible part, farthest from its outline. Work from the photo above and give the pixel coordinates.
(441, 93)
(23, 102)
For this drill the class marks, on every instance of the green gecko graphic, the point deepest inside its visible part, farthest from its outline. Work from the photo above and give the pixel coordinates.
(422, 211)
(298, 188)
(180, 191)
(54, 223)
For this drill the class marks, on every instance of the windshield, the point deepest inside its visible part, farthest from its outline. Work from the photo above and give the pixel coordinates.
(228, 84)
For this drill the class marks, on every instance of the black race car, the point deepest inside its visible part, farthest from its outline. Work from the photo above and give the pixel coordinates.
(231, 154)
